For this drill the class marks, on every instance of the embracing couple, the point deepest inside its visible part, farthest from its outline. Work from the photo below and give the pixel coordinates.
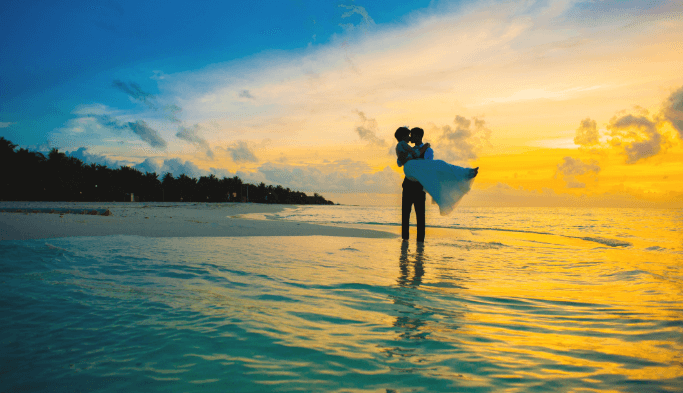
(446, 183)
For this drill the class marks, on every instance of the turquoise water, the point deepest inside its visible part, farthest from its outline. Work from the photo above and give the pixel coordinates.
(483, 306)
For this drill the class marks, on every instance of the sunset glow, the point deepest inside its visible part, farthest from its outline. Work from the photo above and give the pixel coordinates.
(560, 103)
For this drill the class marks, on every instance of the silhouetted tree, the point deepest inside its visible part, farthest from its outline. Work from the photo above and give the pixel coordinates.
(30, 176)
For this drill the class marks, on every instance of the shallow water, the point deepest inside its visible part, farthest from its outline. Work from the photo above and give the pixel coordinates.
(502, 308)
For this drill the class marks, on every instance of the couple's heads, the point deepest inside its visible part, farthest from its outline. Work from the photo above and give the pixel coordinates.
(408, 135)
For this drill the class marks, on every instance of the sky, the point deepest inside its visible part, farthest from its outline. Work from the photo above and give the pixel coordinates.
(560, 103)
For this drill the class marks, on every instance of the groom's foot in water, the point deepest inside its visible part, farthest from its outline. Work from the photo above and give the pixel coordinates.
(474, 172)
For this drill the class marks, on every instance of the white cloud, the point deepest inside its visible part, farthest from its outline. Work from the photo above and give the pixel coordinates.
(461, 142)
(91, 158)
(415, 72)
(345, 179)
(5, 124)
(150, 165)
(174, 166)
(419, 72)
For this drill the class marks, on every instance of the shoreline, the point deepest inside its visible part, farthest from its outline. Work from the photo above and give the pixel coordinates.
(158, 219)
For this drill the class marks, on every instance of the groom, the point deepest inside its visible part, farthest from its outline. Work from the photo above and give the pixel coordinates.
(413, 193)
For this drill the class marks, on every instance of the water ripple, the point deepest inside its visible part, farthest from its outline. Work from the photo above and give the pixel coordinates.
(336, 315)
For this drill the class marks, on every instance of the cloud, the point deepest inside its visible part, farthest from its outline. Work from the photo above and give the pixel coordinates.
(147, 134)
(171, 112)
(636, 136)
(177, 167)
(241, 152)
(110, 122)
(344, 165)
(428, 69)
(5, 124)
(148, 165)
(570, 168)
(140, 128)
(190, 134)
(246, 94)
(174, 166)
(673, 111)
(135, 92)
(222, 172)
(438, 62)
(587, 134)
(300, 178)
(90, 158)
(366, 20)
(312, 179)
(461, 142)
(367, 131)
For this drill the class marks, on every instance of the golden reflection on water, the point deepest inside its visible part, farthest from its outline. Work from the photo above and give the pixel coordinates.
(482, 309)
(526, 305)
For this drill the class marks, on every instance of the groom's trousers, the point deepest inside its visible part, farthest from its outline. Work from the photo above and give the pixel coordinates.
(413, 194)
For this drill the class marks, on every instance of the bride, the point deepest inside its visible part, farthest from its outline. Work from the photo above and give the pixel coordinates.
(446, 183)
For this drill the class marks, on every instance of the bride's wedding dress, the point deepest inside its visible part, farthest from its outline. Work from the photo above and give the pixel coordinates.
(446, 183)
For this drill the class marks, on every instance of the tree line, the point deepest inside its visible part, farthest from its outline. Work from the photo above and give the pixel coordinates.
(30, 176)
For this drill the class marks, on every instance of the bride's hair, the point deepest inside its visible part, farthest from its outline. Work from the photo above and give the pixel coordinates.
(401, 133)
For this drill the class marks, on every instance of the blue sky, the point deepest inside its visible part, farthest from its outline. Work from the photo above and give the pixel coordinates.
(307, 94)
(58, 55)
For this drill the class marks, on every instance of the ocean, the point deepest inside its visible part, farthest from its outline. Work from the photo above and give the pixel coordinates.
(496, 300)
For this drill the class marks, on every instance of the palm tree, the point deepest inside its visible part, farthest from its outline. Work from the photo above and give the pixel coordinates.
(60, 177)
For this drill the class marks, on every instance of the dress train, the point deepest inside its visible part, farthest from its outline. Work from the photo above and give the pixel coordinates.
(446, 183)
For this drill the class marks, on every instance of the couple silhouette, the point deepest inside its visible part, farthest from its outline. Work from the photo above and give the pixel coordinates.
(445, 183)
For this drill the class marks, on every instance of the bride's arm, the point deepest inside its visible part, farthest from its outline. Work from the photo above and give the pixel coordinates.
(403, 157)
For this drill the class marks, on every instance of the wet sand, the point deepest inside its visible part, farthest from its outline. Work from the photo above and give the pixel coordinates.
(157, 219)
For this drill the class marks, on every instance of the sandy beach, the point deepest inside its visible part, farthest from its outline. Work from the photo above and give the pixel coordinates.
(159, 219)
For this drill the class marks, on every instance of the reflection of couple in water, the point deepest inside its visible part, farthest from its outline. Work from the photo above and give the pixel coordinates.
(410, 319)
(446, 183)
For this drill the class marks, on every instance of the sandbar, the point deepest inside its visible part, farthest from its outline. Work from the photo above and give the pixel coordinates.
(159, 219)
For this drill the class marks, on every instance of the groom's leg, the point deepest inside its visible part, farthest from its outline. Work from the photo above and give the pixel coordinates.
(406, 207)
(420, 198)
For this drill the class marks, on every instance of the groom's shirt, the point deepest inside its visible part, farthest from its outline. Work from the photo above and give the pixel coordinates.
(429, 153)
